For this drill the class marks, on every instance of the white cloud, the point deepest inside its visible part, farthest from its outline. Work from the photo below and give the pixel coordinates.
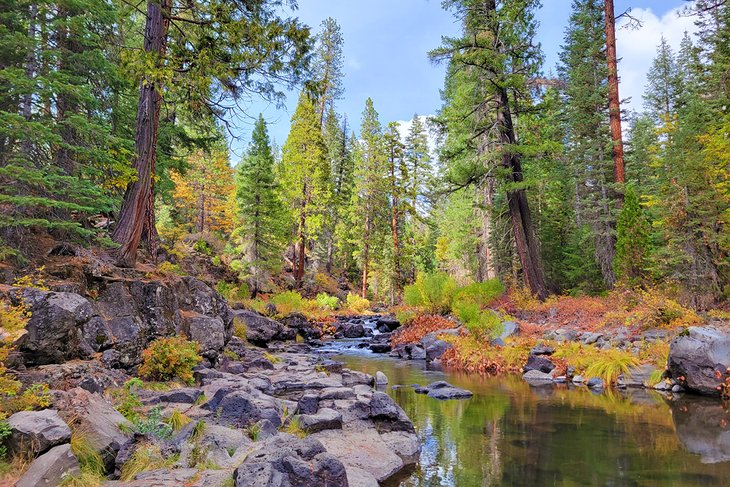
(636, 48)
(353, 64)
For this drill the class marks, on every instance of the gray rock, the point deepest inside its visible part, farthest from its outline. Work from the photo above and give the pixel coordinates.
(208, 331)
(542, 349)
(578, 379)
(536, 376)
(443, 390)
(260, 330)
(383, 407)
(353, 330)
(234, 408)
(509, 328)
(387, 323)
(308, 403)
(99, 420)
(35, 432)
(324, 419)
(638, 376)
(589, 338)
(677, 388)
(701, 358)
(435, 350)
(417, 353)
(538, 362)
(595, 383)
(50, 468)
(562, 335)
(353, 377)
(381, 379)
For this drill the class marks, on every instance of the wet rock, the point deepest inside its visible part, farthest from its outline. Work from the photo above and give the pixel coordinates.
(700, 359)
(443, 390)
(50, 468)
(324, 419)
(35, 432)
(595, 383)
(387, 324)
(380, 347)
(353, 330)
(538, 362)
(381, 379)
(537, 376)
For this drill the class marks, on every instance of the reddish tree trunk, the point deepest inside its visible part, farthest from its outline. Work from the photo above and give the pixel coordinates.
(137, 218)
(301, 254)
(614, 102)
(366, 256)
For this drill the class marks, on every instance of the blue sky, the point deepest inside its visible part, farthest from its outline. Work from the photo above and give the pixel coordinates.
(386, 42)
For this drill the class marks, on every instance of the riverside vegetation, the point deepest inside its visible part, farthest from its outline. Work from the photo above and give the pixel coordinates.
(165, 311)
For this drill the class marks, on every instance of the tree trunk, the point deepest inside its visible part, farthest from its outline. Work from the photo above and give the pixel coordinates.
(301, 254)
(30, 61)
(614, 102)
(366, 256)
(137, 217)
(526, 242)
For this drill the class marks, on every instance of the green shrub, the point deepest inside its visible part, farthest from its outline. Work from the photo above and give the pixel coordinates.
(202, 246)
(432, 292)
(153, 424)
(288, 302)
(126, 400)
(481, 293)
(5, 431)
(325, 301)
(170, 358)
(233, 292)
(485, 324)
(357, 303)
(170, 268)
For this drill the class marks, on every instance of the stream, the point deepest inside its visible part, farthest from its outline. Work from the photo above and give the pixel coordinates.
(512, 434)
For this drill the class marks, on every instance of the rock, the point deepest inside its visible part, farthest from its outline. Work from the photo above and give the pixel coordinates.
(99, 420)
(538, 362)
(188, 477)
(562, 335)
(260, 330)
(542, 349)
(208, 331)
(35, 432)
(509, 328)
(324, 419)
(578, 379)
(184, 395)
(54, 330)
(387, 324)
(417, 353)
(50, 468)
(381, 379)
(535, 375)
(595, 383)
(638, 376)
(287, 461)
(443, 390)
(383, 407)
(677, 388)
(353, 377)
(699, 360)
(591, 338)
(353, 330)
(308, 403)
(379, 347)
(234, 408)
(299, 324)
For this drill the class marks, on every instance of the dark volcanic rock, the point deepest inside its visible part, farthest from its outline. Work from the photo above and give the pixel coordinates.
(538, 362)
(260, 330)
(387, 324)
(443, 390)
(353, 330)
(701, 358)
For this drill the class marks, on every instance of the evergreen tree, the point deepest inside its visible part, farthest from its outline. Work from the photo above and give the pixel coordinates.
(329, 67)
(397, 187)
(663, 84)
(304, 177)
(632, 239)
(370, 202)
(263, 226)
(588, 131)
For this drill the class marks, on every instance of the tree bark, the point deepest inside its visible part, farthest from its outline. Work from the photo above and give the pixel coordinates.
(614, 102)
(366, 255)
(301, 254)
(526, 243)
(137, 218)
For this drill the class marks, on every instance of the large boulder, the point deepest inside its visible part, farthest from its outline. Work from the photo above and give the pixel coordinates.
(538, 362)
(105, 428)
(699, 359)
(288, 461)
(208, 331)
(35, 432)
(260, 330)
(51, 468)
(443, 390)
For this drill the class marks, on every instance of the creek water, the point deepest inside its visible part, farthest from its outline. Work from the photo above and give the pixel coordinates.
(512, 434)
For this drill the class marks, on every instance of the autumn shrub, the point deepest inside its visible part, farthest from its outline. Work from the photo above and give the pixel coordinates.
(434, 293)
(289, 302)
(327, 302)
(170, 358)
(485, 324)
(356, 303)
(420, 327)
(470, 353)
(655, 309)
(168, 268)
(233, 292)
(594, 362)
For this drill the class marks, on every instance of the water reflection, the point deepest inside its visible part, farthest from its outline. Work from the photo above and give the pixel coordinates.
(511, 434)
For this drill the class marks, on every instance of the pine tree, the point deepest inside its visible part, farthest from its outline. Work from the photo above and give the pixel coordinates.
(632, 240)
(586, 113)
(370, 203)
(397, 187)
(193, 50)
(329, 67)
(498, 53)
(304, 177)
(263, 225)
(663, 84)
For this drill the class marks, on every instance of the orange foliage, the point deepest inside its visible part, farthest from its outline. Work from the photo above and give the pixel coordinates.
(470, 354)
(420, 327)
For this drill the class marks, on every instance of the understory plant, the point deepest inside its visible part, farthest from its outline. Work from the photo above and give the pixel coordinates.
(170, 358)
